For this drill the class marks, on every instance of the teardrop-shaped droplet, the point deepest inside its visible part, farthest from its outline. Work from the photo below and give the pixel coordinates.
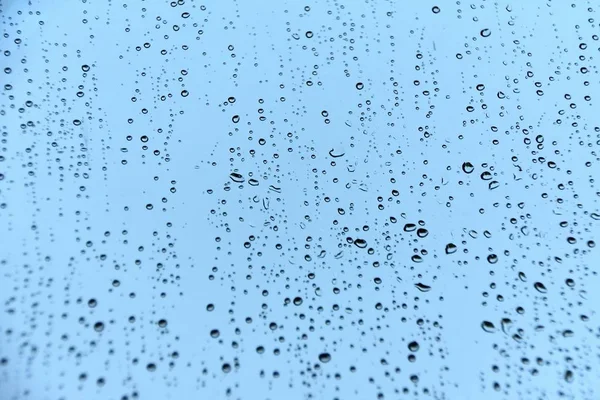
(539, 286)
(451, 248)
(488, 327)
(506, 324)
(410, 227)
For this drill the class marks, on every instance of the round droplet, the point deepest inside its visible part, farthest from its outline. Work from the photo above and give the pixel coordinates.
(486, 175)
(480, 87)
(422, 232)
(92, 303)
(151, 367)
(226, 368)
(360, 85)
(485, 33)
(324, 357)
(570, 282)
(235, 119)
(214, 333)
(162, 323)
(99, 326)
(492, 259)
(297, 301)
(467, 167)
(413, 346)
(569, 376)
(435, 9)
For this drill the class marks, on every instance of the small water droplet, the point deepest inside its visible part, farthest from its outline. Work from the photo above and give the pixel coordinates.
(540, 287)
(488, 327)
(422, 287)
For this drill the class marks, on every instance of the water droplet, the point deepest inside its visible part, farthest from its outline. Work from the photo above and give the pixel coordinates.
(569, 376)
(467, 167)
(540, 287)
(451, 248)
(485, 33)
(360, 85)
(410, 227)
(488, 327)
(422, 232)
(506, 324)
(333, 153)
(238, 178)
(297, 301)
(413, 346)
(324, 357)
(361, 243)
(99, 326)
(422, 287)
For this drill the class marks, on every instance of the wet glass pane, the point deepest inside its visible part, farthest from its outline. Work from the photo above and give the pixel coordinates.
(299, 200)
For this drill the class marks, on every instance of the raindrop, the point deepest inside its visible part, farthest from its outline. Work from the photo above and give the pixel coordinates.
(422, 287)
(451, 248)
(540, 287)
(336, 154)
(410, 227)
(467, 167)
(488, 327)
(238, 178)
(361, 243)
(413, 346)
(99, 326)
(324, 357)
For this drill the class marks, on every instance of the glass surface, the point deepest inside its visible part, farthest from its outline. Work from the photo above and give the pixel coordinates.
(299, 200)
